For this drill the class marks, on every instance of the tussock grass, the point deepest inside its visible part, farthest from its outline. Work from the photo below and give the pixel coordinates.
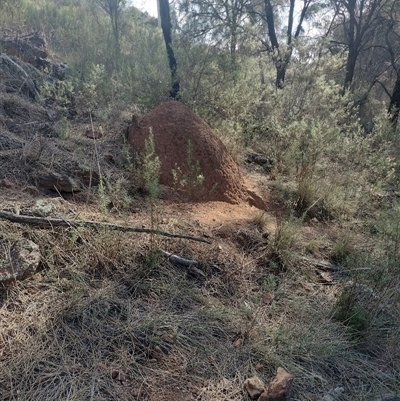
(105, 305)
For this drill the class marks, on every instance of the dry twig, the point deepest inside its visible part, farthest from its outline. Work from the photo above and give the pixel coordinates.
(50, 222)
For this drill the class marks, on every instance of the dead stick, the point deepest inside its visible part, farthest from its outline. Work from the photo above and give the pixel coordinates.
(50, 222)
(178, 259)
(192, 265)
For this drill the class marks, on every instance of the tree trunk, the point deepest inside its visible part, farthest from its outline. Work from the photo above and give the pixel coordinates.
(282, 59)
(233, 44)
(350, 67)
(114, 15)
(281, 68)
(394, 106)
(166, 27)
(280, 64)
(353, 49)
(361, 20)
(269, 15)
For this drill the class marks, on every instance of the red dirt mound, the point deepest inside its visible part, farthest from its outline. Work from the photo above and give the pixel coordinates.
(193, 160)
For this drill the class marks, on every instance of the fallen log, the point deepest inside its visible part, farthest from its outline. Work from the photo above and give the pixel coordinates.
(51, 222)
(192, 265)
(179, 260)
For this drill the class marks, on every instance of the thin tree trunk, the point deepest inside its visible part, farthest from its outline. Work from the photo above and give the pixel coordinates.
(353, 48)
(394, 106)
(281, 68)
(166, 27)
(279, 63)
(282, 61)
(115, 25)
(350, 67)
(269, 15)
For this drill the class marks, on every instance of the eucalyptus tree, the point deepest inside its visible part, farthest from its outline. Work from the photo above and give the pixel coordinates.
(392, 41)
(281, 24)
(166, 26)
(372, 43)
(114, 9)
(357, 22)
(390, 24)
(219, 22)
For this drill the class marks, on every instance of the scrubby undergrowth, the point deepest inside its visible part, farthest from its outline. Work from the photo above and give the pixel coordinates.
(310, 284)
(109, 317)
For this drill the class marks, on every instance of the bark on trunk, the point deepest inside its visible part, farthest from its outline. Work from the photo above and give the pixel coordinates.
(269, 15)
(166, 27)
(280, 74)
(353, 46)
(394, 106)
(282, 58)
(350, 67)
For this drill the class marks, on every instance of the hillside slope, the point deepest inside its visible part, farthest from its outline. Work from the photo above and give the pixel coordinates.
(108, 316)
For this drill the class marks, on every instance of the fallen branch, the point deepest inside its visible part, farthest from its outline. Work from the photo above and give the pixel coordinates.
(50, 222)
(179, 260)
(192, 265)
(321, 264)
(389, 398)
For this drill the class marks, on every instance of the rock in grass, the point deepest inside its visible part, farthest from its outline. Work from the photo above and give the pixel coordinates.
(21, 263)
(333, 394)
(280, 387)
(58, 182)
(254, 386)
(42, 208)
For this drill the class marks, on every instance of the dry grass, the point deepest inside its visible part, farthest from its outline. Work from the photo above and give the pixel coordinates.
(106, 303)
(108, 318)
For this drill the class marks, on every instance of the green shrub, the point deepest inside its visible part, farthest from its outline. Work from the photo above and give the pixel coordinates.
(282, 241)
(352, 313)
(146, 169)
(190, 175)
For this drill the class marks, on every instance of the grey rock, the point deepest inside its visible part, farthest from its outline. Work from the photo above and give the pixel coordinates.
(21, 262)
(58, 182)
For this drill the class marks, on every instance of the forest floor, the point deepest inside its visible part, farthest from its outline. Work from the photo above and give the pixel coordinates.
(108, 316)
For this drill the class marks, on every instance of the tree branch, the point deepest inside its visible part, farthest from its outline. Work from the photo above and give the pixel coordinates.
(302, 16)
(179, 260)
(384, 88)
(50, 222)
